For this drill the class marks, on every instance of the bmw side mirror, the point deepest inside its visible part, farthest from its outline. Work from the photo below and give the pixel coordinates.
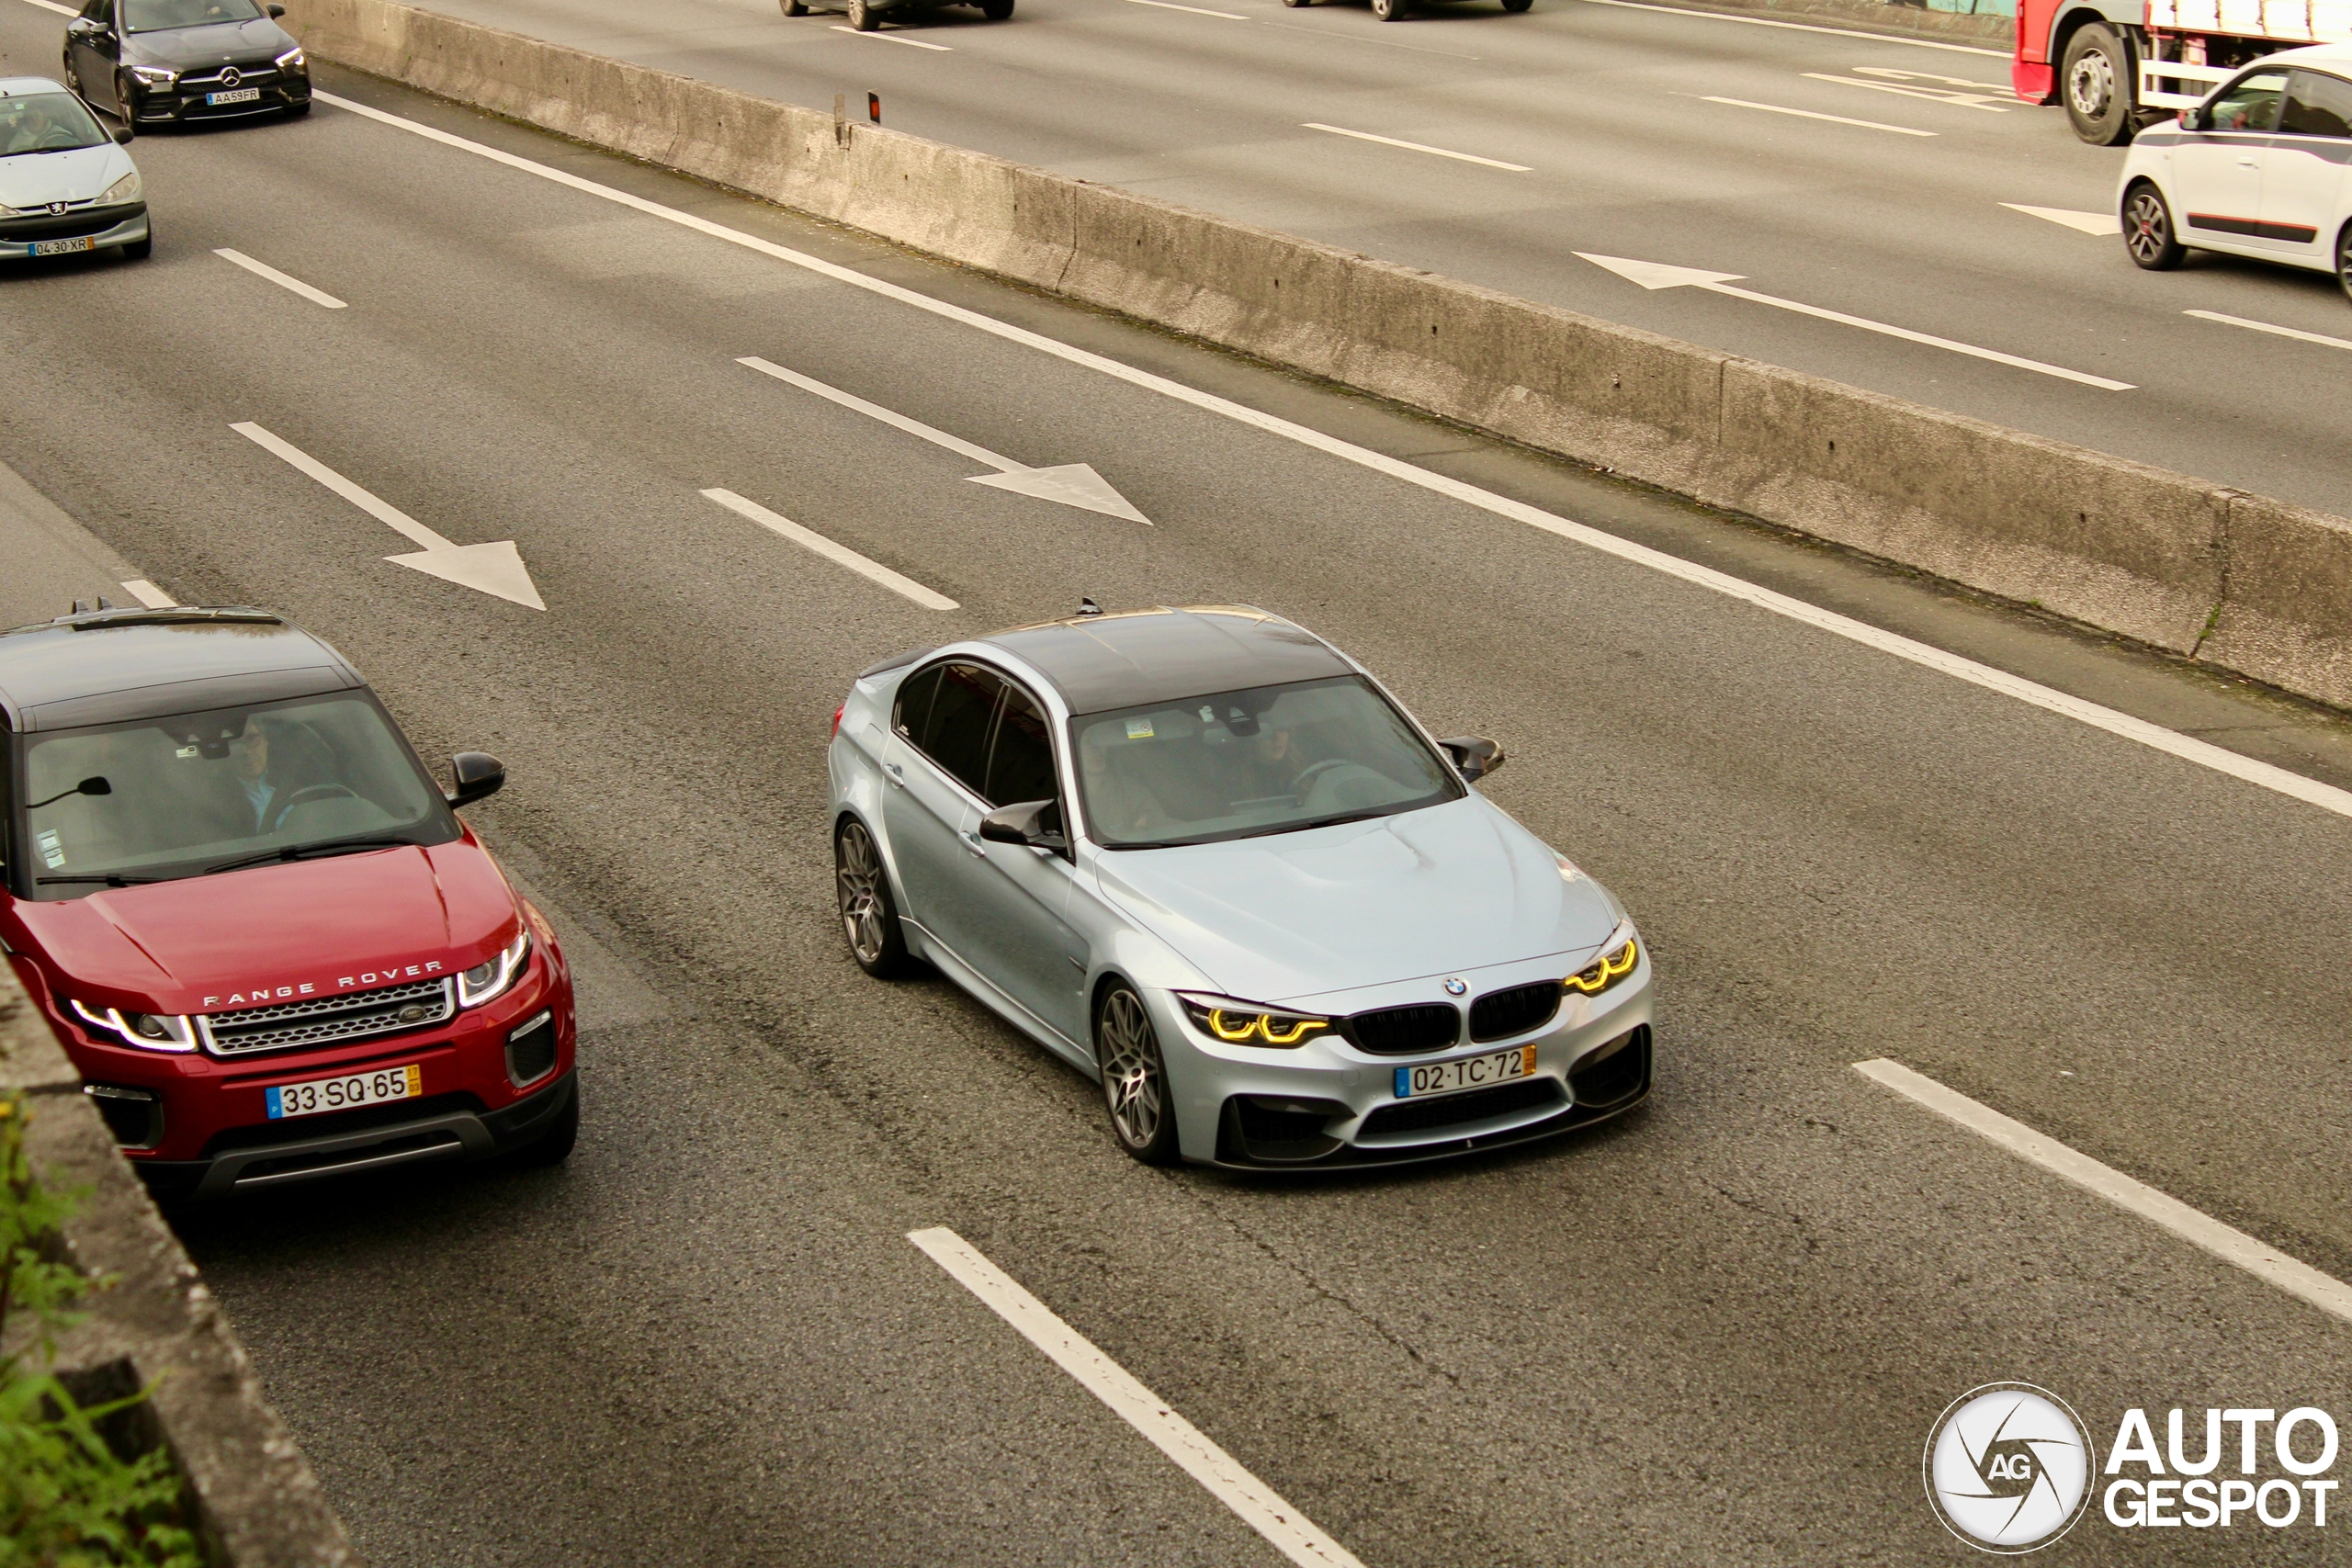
(1474, 756)
(478, 775)
(1038, 824)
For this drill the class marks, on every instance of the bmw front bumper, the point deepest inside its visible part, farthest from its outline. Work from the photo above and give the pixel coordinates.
(1328, 1104)
(103, 228)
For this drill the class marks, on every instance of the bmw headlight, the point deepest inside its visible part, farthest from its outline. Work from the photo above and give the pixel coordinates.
(148, 1031)
(125, 189)
(291, 59)
(489, 979)
(1607, 970)
(1249, 1024)
(155, 75)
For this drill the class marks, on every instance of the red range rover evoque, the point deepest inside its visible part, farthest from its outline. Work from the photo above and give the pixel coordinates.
(267, 942)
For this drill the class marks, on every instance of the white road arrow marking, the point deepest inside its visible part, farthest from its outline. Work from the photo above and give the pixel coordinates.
(1653, 275)
(495, 568)
(1071, 484)
(2089, 222)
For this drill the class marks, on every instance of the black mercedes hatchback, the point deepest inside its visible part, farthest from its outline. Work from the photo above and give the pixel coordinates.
(168, 62)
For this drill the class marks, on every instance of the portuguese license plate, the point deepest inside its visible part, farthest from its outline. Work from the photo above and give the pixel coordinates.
(345, 1093)
(61, 247)
(237, 96)
(1467, 1072)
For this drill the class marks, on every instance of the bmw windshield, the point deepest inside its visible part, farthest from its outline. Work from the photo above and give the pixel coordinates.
(46, 122)
(1238, 764)
(119, 803)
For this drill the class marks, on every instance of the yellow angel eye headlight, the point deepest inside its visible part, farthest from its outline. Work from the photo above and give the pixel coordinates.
(1244, 1023)
(1606, 970)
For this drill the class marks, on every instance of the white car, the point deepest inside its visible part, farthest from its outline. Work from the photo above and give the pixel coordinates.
(66, 186)
(2262, 168)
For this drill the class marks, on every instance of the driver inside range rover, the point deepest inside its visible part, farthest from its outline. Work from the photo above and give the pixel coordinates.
(195, 794)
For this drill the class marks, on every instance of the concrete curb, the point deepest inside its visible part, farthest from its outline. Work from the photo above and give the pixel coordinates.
(258, 1504)
(2114, 543)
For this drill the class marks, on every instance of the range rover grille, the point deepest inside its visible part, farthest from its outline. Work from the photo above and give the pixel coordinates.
(322, 1020)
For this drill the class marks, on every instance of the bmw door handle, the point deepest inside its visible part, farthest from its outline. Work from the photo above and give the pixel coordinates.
(897, 774)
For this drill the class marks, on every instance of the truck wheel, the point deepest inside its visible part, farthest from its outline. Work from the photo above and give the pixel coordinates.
(2147, 229)
(2344, 260)
(2096, 81)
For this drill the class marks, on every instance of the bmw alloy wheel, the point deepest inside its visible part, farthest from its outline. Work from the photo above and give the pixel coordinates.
(868, 919)
(1135, 1078)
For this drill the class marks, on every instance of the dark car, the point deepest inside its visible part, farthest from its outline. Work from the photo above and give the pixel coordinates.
(257, 925)
(171, 62)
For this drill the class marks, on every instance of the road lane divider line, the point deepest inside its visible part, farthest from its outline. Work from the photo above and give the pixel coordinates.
(2065, 705)
(810, 540)
(54, 5)
(893, 37)
(1804, 28)
(1809, 114)
(1071, 484)
(148, 595)
(1418, 147)
(1256, 1504)
(2082, 222)
(1930, 94)
(293, 285)
(2251, 326)
(1658, 275)
(493, 569)
(2232, 1246)
(1196, 10)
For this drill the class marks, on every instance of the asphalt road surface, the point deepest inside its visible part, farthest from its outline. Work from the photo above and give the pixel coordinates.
(1664, 136)
(1715, 1332)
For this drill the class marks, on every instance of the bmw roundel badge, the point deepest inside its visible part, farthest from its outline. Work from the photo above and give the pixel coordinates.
(1455, 984)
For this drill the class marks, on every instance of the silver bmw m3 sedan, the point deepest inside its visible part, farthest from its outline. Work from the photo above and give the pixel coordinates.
(1205, 857)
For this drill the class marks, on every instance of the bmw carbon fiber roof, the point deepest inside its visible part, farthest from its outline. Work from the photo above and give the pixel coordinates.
(1131, 656)
(113, 665)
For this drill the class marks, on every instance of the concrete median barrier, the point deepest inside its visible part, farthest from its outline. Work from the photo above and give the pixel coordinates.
(2118, 545)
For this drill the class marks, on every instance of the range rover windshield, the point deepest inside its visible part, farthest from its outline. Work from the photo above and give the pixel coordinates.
(1237, 764)
(194, 794)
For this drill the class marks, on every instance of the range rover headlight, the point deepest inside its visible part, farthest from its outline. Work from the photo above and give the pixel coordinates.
(1610, 969)
(148, 1031)
(489, 979)
(126, 188)
(1249, 1024)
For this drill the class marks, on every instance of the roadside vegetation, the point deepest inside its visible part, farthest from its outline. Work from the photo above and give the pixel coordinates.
(69, 1496)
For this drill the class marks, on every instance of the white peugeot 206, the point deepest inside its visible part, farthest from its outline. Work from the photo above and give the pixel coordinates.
(66, 186)
(2262, 168)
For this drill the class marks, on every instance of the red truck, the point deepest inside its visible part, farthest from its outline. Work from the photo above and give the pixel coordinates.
(2118, 64)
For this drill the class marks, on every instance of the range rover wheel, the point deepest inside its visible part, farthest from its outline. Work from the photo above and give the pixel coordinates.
(2147, 229)
(2096, 82)
(869, 919)
(1135, 1077)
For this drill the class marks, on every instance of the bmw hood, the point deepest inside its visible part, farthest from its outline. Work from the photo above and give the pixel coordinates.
(1291, 915)
(32, 180)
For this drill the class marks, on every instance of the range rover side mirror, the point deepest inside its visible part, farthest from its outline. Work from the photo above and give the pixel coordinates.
(1474, 756)
(478, 775)
(1036, 824)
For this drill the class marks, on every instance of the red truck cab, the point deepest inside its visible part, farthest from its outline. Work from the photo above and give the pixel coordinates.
(263, 935)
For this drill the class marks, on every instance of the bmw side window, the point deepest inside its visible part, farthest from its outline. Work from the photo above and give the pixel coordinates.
(2250, 104)
(912, 709)
(1021, 763)
(2317, 106)
(956, 734)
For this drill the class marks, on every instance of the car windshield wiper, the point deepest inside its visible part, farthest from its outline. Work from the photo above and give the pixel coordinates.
(112, 879)
(304, 851)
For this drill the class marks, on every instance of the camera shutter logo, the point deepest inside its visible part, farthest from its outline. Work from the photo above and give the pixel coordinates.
(2009, 1467)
